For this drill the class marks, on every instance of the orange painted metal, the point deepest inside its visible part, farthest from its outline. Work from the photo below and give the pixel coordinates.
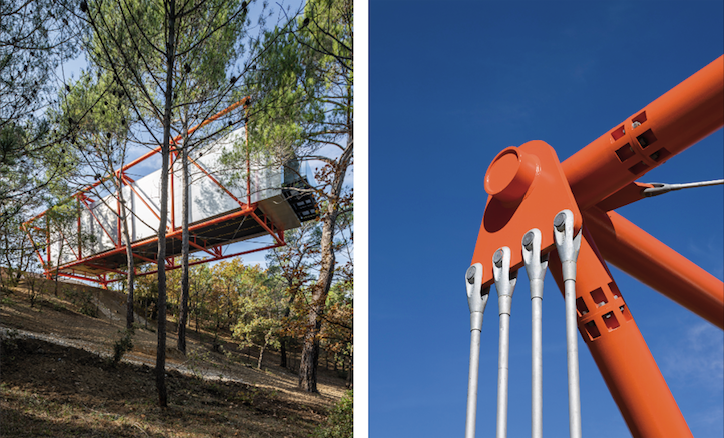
(619, 349)
(221, 186)
(90, 210)
(73, 269)
(47, 237)
(174, 266)
(526, 188)
(173, 153)
(525, 192)
(670, 124)
(267, 227)
(125, 182)
(172, 235)
(642, 256)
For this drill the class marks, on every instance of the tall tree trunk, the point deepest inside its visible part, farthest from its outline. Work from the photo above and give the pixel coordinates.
(283, 352)
(310, 351)
(183, 312)
(57, 268)
(129, 255)
(161, 259)
(285, 340)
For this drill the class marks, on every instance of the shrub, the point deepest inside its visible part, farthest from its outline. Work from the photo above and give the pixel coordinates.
(84, 301)
(123, 345)
(9, 341)
(339, 422)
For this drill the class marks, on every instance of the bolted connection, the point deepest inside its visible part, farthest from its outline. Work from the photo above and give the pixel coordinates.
(470, 274)
(560, 221)
(498, 258)
(528, 240)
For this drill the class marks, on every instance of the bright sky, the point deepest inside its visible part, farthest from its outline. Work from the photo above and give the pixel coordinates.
(452, 84)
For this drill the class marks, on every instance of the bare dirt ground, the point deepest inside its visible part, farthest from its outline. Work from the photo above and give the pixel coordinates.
(57, 379)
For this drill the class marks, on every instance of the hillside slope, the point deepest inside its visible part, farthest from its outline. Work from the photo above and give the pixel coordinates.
(56, 378)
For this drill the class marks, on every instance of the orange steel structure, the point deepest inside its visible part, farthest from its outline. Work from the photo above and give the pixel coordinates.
(208, 235)
(592, 183)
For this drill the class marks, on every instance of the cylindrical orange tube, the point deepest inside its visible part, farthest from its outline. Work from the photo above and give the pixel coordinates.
(640, 255)
(670, 124)
(619, 349)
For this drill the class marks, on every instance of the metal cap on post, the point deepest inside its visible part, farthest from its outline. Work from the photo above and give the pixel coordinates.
(477, 299)
(568, 246)
(536, 264)
(504, 279)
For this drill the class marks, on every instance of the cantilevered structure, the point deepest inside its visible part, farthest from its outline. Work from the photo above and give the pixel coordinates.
(265, 202)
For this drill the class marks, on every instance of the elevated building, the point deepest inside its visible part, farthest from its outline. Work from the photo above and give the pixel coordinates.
(268, 198)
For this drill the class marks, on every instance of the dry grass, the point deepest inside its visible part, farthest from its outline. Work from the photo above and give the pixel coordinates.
(72, 389)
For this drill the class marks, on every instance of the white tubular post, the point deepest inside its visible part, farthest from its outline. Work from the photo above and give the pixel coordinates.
(535, 266)
(568, 247)
(477, 299)
(504, 284)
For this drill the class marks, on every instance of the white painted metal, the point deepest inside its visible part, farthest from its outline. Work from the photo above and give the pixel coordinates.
(504, 285)
(568, 247)
(535, 266)
(477, 299)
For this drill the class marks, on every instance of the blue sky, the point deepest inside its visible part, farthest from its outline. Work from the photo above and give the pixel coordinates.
(450, 85)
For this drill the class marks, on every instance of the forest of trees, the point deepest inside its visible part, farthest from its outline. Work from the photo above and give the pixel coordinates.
(153, 70)
(261, 308)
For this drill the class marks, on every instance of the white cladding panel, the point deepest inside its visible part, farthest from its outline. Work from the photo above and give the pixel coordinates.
(60, 249)
(145, 201)
(207, 199)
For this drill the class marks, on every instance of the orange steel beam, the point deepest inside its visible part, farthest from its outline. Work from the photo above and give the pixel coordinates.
(123, 179)
(118, 215)
(620, 351)
(265, 226)
(144, 258)
(642, 256)
(668, 125)
(99, 223)
(170, 235)
(35, 247)
(66, 242)
(172, 267)
(47, 239)
(631, 193)
(80, 246)
(215, 181)
(199, 247)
